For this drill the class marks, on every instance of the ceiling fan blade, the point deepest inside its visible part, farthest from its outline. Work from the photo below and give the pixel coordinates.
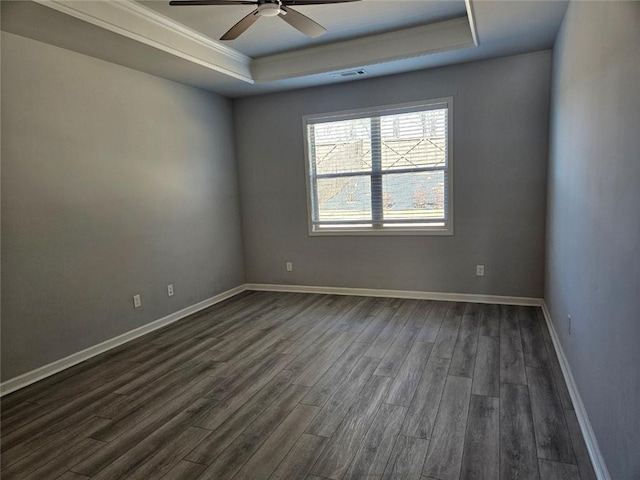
(240, 27)
(301, 22)
(182, 3)
(315, 2)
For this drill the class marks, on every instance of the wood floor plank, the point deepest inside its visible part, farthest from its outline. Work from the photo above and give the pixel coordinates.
(464, 352)
(331, 415)
(185, 470)
(486, 373)
(227, 424)
(213, 396)
(361, 316)
(84, 383)
(227, 463)
(421, 313)
(144, 420)
(385, 339)
(271, 327)
(394, 358)
(138, 432)
(39, 451)
(252, 347)
(299, 324)
(20, 409)
(332, 378)
(113, 463)
(406, 381)
(63, 462)
(558, 471)
(72, 476)
(272, 363)
(336, 457)
(28, 413)
(168, 354)
(169, 455)
(380, 320)
(512, 368)
(65, 414)
(300, 458)
(58, 382)
(482, 440)
(141, 353)
(240, 365)
(147, 399)
(579, 448)
(372, 457)
(552, 437)
(178, 357)
(311, 336)
(433, 321)
(423, 409)
(444, 458)
(518, 459)
(533, 346)
(406, 459)
(448, 333)
(508, 318)
(267, 458)
(325, 342)
(323, 362)
(490, 321)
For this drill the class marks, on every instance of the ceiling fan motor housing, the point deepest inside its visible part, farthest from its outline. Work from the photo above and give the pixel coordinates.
(269, 9)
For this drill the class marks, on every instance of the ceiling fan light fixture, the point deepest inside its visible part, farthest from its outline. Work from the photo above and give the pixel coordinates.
(268, 9)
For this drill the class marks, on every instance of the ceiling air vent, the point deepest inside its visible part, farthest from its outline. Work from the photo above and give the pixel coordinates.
(349, 73)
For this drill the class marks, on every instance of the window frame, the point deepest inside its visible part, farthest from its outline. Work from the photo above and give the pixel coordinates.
(311, 192)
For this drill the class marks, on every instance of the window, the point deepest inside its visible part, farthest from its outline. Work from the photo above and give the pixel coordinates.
(380, 171)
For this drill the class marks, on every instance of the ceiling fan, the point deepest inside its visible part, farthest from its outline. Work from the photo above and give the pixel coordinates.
(268, 8)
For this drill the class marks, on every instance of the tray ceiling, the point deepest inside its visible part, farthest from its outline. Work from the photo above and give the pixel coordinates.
(342, 21)
(380, 36)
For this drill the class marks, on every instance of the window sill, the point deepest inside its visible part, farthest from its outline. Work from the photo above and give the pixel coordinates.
(362, 232)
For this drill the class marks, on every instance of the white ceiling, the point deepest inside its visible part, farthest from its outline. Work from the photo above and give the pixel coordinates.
(382, 36)
(342, 21)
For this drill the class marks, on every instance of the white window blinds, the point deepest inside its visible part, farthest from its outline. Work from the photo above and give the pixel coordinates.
(383, 169)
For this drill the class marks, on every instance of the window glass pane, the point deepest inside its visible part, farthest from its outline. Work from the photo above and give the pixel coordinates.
(414, 140)
(343, 199)
(340, 147)
(414, 196)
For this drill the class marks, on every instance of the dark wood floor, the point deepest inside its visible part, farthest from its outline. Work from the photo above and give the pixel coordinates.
(297, 386)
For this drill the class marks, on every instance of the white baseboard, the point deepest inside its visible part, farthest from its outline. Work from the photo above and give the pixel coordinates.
(47, 370)
(417, 295)
(599, 466)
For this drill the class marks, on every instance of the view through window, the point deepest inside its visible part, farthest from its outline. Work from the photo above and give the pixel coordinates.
(380, 170)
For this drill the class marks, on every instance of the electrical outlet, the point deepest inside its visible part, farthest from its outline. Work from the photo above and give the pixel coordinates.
(569, 324)
(479, 270)
(137, 301)
(289, 266)
(170, 290)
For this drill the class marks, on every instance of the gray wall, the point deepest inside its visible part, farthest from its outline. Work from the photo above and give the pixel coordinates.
(114, 182)
(593, 240)
(501, 124)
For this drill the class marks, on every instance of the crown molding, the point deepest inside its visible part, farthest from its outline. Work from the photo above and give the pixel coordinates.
(472, 22)
(134, 21)
(361, 52)
(181, 29)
